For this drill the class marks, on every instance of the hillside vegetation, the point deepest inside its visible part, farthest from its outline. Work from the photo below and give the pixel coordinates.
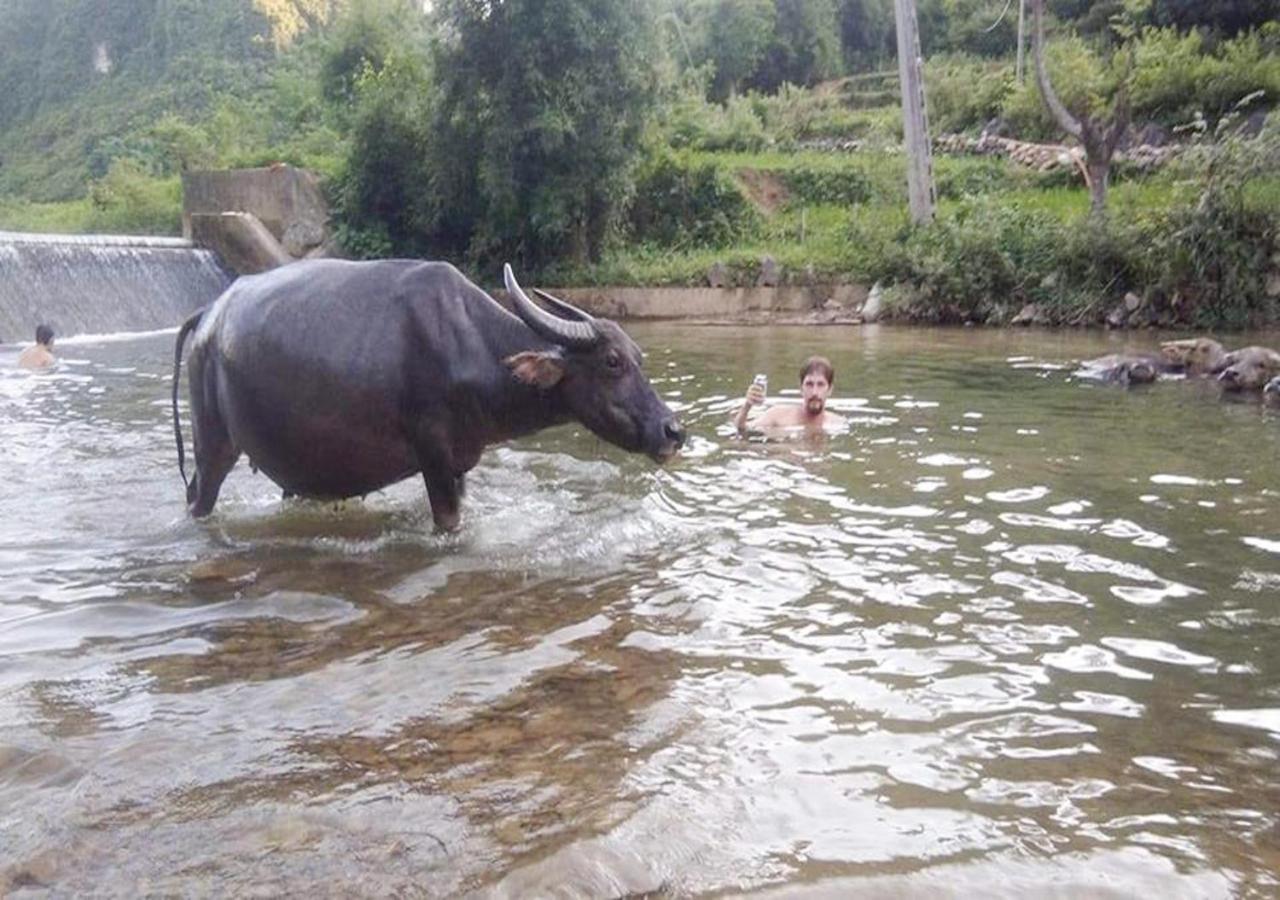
(638, 142)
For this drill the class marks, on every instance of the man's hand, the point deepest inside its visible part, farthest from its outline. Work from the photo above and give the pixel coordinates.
(755, 396)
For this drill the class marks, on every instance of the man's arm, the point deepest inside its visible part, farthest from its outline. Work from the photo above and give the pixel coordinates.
(755, 396)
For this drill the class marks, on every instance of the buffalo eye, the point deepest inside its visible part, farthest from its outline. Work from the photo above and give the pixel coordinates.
(613, 360)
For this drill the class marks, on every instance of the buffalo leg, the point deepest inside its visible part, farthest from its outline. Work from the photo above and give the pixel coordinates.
(442, 491)
(215, 452)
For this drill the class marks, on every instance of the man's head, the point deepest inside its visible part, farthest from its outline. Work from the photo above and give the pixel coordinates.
(44, 335)
(816, 379)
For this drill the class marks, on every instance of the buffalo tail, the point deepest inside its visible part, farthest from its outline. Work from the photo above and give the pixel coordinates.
(187, 327)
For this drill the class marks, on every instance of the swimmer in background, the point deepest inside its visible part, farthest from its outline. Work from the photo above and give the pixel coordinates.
(41, 355)
(811, 414)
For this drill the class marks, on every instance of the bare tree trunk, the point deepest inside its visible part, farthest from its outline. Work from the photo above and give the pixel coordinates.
(1098, 136)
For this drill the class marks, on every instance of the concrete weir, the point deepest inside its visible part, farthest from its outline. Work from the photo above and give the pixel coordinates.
(94, 284)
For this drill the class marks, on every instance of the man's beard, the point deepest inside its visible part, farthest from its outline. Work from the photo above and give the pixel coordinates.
(814, 406)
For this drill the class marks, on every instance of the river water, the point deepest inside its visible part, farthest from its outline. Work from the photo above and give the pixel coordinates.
(1012, 634)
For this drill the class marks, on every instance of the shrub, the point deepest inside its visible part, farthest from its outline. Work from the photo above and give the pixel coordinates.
(965, 92)
(1081, 79)
(1174, 78)
(1216, 245)
(846, 186)
(681, 202)
(128, 201)
(733, 126)
(968, 265)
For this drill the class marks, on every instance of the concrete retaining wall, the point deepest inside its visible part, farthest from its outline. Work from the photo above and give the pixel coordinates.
(712, 303)
(279, 196)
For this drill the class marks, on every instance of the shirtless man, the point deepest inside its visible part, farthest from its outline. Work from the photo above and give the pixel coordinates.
(816, 378)
(41, 355)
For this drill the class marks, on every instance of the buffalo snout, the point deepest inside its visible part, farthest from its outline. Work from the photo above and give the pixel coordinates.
(672, 439)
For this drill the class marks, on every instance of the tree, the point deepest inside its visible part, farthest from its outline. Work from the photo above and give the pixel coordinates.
(866, 32)
(736, 36)
(805, 47)
(1097, 133)
(538, 123)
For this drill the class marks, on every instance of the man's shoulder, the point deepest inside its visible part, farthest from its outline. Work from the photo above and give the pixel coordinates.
(35, 357)
(782, 414)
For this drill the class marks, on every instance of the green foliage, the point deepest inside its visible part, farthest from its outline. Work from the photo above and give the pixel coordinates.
(382, 196)
(684, 202)
(846, 186)
(734, 37)
(979, 260)
(976, 27)
(128, 201)
(956, 178)
(542, 107)
(805, 48)
(1082, 79)
(733, 126)
(867, 33)
(1217, 244)
(1175, 77)
(794, 114)
(965, 91)
(365, 38)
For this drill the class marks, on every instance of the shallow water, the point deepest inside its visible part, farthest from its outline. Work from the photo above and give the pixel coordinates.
(1014, 633)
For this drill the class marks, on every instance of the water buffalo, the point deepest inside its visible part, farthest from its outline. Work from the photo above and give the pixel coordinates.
(1248, 369)
(339, 378)
(1271, 393)
(1124, 368)
(1195, 356)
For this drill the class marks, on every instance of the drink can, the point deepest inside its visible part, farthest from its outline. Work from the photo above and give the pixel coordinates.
(762, 380)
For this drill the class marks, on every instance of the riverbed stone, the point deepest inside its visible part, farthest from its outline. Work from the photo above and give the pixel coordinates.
(302, 236)
(1031, 314)
(874, 307)
(770, 273)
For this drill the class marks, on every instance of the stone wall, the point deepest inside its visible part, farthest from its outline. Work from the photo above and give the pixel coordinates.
(819, 300)
(271, 215)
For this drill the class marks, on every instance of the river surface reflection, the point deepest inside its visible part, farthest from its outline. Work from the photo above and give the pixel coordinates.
(1013, 633)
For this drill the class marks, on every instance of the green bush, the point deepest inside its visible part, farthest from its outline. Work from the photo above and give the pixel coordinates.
(846, 186)
(976, 263)
(688, 203)
(733, 126)
(1217, 242)
(128, 201)
(955, 177)
(1174, 78)
(965, 92)
(1081, 79)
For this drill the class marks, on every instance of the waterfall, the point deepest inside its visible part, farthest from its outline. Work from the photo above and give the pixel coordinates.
(93, 284)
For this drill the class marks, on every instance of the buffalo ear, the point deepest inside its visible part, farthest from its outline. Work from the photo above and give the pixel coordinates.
(541, 370)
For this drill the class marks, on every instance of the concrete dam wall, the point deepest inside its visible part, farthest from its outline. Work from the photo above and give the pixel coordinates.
(93, 284)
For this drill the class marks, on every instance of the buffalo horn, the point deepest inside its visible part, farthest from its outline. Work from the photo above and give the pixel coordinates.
(566, 310)
(581, 333)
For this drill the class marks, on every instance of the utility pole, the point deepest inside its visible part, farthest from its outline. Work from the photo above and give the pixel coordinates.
(915, 126)
(1022, 14)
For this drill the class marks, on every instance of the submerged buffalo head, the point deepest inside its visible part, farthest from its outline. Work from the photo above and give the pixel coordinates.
(1139, 370)
(1249, 369)
(1271, 393)
(596, 369)
(1196, 356)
